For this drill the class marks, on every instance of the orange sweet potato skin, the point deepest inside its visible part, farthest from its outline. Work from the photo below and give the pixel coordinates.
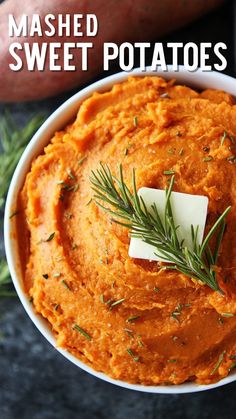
(118, 22)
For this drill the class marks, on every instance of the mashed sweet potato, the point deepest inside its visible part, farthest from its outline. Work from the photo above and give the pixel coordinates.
(75, 261)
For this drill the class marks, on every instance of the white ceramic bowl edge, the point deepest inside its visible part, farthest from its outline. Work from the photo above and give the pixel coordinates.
(57, 121)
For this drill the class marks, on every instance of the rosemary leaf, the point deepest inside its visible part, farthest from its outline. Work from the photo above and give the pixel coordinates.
(223, 138)
(65, 284)
(168, 172)
(57, 275)
(135, 121)
(82, 332)
(80, 162)
(206, 159)
(129, 333)
(116, 303)
(50, 237)
(131, 353)
(132, 319)
(70, 174)
(218, 364)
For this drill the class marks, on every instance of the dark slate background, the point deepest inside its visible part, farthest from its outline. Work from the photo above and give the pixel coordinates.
(36, 382)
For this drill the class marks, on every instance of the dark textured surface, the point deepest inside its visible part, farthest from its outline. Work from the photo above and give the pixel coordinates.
(36, 382)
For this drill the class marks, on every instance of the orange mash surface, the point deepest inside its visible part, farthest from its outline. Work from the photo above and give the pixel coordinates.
(75, 261)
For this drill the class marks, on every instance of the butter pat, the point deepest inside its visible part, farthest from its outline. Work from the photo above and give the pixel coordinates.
(187, 209)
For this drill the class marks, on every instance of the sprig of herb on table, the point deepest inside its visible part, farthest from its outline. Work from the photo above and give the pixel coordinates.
(5, 281)
(13, 141)
(130, 211)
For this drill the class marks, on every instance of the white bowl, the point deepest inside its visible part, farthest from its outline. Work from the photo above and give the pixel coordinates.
(57, 121)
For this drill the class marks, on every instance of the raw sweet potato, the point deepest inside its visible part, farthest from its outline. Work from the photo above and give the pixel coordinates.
(118, 22)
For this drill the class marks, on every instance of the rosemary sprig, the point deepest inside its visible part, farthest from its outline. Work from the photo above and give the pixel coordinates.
(6, 289)
(12, 143)
(130, 211)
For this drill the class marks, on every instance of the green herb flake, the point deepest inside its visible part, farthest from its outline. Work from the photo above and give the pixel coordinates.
(67, 187)
(232, 158)
(129, 333)
(75, 188)
(168, 172)
(82, 331)
(170, 151)
(101, 298)
(126, 152)
(131, 353)
(115, 303)
(165, 96)
(178, 134)
(232, 139)
(227, 314)
(135, 121)
(156, 289)
(57, 275)
(232, 366)
(223, 138)
(50, 237)
(56, 306)
(65, 284)
(177, 312)
(80, 162)
(220, 320)
(172, 360)
(181, 151)
(132, 319)
(68, 215)
(70, 174)
(175, 315)
(45, 276)
(14, 213)
(218, 364)
(89, 202)
(206, 159)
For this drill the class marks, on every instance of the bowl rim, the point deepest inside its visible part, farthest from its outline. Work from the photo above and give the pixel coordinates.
(57, 120)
